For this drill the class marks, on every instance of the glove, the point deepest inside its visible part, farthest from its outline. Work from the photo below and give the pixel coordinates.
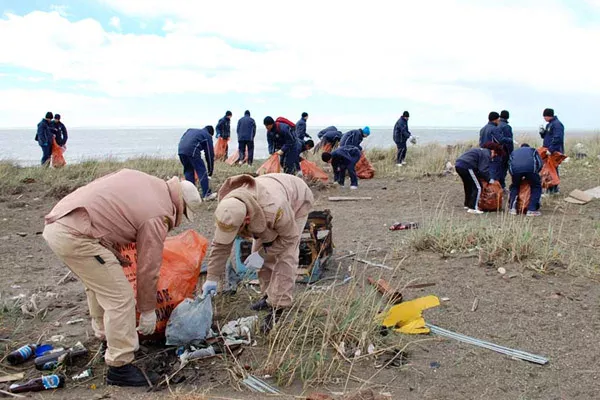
(492, 181)
(254, 261)
(280, 152)
(548, 152)
(147, 323)
(209, 288)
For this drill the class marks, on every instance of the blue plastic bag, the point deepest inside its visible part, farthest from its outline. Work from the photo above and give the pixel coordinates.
(190, 322)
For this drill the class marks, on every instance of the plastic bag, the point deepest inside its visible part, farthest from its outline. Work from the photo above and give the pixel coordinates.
(221, 149)
(190, 322)
(491, 196)
(271, 166)
(57, 159)
(179, 272)
(524, 197)
(312, 172)
(327, 147)
(364, 169)
(234, 158)
(549, 173)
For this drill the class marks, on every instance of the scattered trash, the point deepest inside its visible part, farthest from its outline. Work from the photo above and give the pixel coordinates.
(487, 345)
(419, 285)
(594, 192)
(85, 374)
(48, 382)
(400, 226)
(502, 270)
(64, 278)
(407, 317)
(190, 321)
(373, 264)
(260, 386)
(22, 234)
(57, 338)
(475, 304)
(326, 288)
(240, 327)
(75, 321)
(15, 286)
(54, 359)
(349, 198)
(448, 169)
(199, 354)
(579, 197)
(18, 297)
(444, 298)
(393, 296)
(371, 348)
(11, 377)
(434, 365)
(22, 354)
(43, 349)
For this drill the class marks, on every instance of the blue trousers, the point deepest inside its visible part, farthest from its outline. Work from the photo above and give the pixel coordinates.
(535, 182)
(46, 153)
(249, 144)
(498, 171)
(291, 162)
(339, 172)
(401, 154)
(195, 164)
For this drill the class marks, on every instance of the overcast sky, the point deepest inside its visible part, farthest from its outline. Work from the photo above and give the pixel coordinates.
(348, 63)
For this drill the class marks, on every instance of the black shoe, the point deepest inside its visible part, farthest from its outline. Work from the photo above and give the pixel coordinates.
(129, 375)
(271, 319)
(261, 305)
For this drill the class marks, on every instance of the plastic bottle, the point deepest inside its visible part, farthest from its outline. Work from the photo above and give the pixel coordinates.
(22, 354)
(53, 360)
(49, 382)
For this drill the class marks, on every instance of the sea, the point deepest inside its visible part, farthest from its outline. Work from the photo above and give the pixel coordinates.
(18, 145)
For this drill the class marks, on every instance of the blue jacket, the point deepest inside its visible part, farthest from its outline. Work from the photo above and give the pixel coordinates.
(401, 133)
(525, 160)
(332, 137)
(329, 128)
(478, 160)
(193, 142)
(554, 136)
(246, 128)
(281, 137)
(507, 132)
(223, 128)
(492, 133)
(301, 129)
(60, 130)
(45, 133)
(352, 138)
(346, 155)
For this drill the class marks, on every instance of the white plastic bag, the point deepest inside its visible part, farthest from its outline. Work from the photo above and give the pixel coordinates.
(190, 321)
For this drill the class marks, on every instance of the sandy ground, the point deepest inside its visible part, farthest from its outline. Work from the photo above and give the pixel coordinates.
(554, 315)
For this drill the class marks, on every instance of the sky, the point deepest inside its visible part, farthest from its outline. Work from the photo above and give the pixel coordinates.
(347, 63)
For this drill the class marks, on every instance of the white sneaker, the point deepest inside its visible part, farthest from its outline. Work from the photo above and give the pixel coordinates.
(466, 208)
(210, 197)
(403, 162)
(353, 187)
(471, 211)
(513, 211)
(398, 165)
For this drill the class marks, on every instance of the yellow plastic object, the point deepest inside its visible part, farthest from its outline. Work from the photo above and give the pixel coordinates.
(406, 317)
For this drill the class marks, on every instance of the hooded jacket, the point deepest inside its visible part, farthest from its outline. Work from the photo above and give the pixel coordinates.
(223, 128)
(554, 136)
(401, 133)
(193, 142)
(332, 137)
(323, 131)
(346, 155)
(352, 138)
(246, 129)
(45, 133)
(478, 160)
(281, 137)
(301, 129)
(507, 133)
(492, 133)
(525, 160)
(60, 130)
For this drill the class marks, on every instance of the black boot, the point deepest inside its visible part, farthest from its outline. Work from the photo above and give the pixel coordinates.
(129, 375)
(261, 305)
(271, 319)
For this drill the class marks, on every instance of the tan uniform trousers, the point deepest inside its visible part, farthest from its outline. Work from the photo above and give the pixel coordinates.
(277, 277)
(110, 296)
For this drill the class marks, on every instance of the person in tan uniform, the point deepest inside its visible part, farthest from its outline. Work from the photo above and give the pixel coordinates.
(83, 230)
(272, 210)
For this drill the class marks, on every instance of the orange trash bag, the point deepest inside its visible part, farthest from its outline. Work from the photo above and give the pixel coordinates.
(491, 196)
(312, 172)
(271, 166)
(179, 272)
(327, 148)
(57, 159)
(549, 173)
(221, 149)
(524, 197)
(234, 158)
(364, 169)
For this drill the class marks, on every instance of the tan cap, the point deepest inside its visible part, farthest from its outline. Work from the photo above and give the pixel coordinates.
(229, 218)
(191, 199)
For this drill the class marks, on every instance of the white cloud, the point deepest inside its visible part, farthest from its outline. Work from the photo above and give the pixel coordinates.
(115, 22)
(443, 53)
(60, 9)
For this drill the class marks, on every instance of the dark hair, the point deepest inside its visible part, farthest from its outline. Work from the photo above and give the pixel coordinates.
(405, 114)
(49, 115)
(210, 129)
(247, 112)
(326, 157)
(268, 121)
(493, 116)
(309, 144)
(304, 115)
(228, 113)
(57, 116)
(525, 145)
(504, 114)
(495, 147)
(548, 112)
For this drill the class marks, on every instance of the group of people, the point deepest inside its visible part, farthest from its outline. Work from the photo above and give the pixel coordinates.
(50, 129)
(496, 156)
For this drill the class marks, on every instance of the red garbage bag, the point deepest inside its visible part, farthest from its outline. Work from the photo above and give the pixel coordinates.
(312, 172)
(221, 149)
(234, 158)
(364, 169)
(549, 173)
(271, 166)
(491, 196)
(524, 197)
(179, 272)
(57, 159)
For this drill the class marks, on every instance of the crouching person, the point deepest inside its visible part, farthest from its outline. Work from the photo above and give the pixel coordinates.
(525, 164)
(272, 210)
(473, 166)
(344, 159)
(83, 229)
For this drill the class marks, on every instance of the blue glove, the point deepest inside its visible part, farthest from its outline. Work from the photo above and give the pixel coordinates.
(209, 288)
